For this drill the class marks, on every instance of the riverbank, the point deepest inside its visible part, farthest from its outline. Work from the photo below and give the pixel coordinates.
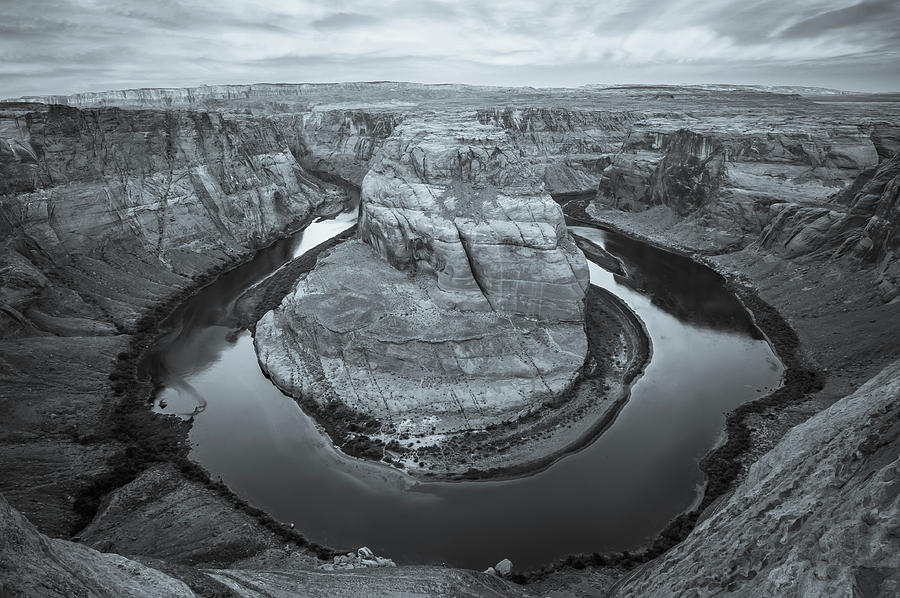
(151, 442)
(752, 428)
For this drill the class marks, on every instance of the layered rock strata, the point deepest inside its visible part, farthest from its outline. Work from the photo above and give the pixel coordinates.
(463, 309)
(104, 214)
(375, 339)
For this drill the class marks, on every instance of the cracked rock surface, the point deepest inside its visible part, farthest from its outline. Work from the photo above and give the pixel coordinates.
(382, 346)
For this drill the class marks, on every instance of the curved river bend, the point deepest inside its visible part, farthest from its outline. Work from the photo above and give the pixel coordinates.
(614, 494)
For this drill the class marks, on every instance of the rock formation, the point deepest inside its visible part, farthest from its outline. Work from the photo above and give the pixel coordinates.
(864, 229)
(33, 565)
(449, 196)
(383, 346)
(478, 318)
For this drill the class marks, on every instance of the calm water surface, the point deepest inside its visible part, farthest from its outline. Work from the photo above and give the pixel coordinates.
(612, 495)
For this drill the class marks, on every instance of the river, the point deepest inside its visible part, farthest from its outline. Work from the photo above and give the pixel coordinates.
(615, 494)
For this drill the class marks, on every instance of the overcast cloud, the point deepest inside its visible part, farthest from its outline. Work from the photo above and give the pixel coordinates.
(66, 46)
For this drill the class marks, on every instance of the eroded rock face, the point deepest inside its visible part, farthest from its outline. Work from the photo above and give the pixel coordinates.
(105, 213)
(732, 170)
(374, 338)
(33, 565)
(571, 147)
(866, 230)
(465, 307)
(449, 196)
(340, 142)
(816, 515)
(106, 193)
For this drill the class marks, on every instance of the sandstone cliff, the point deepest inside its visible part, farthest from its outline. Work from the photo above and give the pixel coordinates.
(823, 193)
(451, 197)
(862, 224)
(98, 193)
(104, 214)
(467, 307)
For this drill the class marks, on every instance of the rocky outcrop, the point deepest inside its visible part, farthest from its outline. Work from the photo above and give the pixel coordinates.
(818, 514)
(466, 307)
(451, 198)
(163, 515)
(33, 565)
(380, 344)
(866, 230)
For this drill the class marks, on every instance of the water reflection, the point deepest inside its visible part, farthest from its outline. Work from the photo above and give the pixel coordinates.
(700, 298)
(612, 495)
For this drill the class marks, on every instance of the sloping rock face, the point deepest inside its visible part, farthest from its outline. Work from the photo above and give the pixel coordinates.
(33, 565)
(105, 213)
(474, 312)
(807, 191)
(451, 197)
(176, 191)
(817, 515)
(866, 230)
(340, 142)
(163, 515)
(376, 340)
(571, 147)
(736, 172)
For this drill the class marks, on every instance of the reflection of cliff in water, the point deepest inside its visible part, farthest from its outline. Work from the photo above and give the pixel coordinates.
(676, 284)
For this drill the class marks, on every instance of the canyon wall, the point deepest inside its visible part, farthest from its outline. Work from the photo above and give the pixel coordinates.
(110, 190)
(811, 191)
(570, 148)
(816, 515)
(104, 214)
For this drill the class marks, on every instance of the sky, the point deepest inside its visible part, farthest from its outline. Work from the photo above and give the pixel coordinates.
(68, 46)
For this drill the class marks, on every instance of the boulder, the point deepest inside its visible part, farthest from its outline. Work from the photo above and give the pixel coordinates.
(504, 567)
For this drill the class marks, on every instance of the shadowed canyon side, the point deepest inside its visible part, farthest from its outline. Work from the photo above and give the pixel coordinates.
(116, 206)
(107, 217)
